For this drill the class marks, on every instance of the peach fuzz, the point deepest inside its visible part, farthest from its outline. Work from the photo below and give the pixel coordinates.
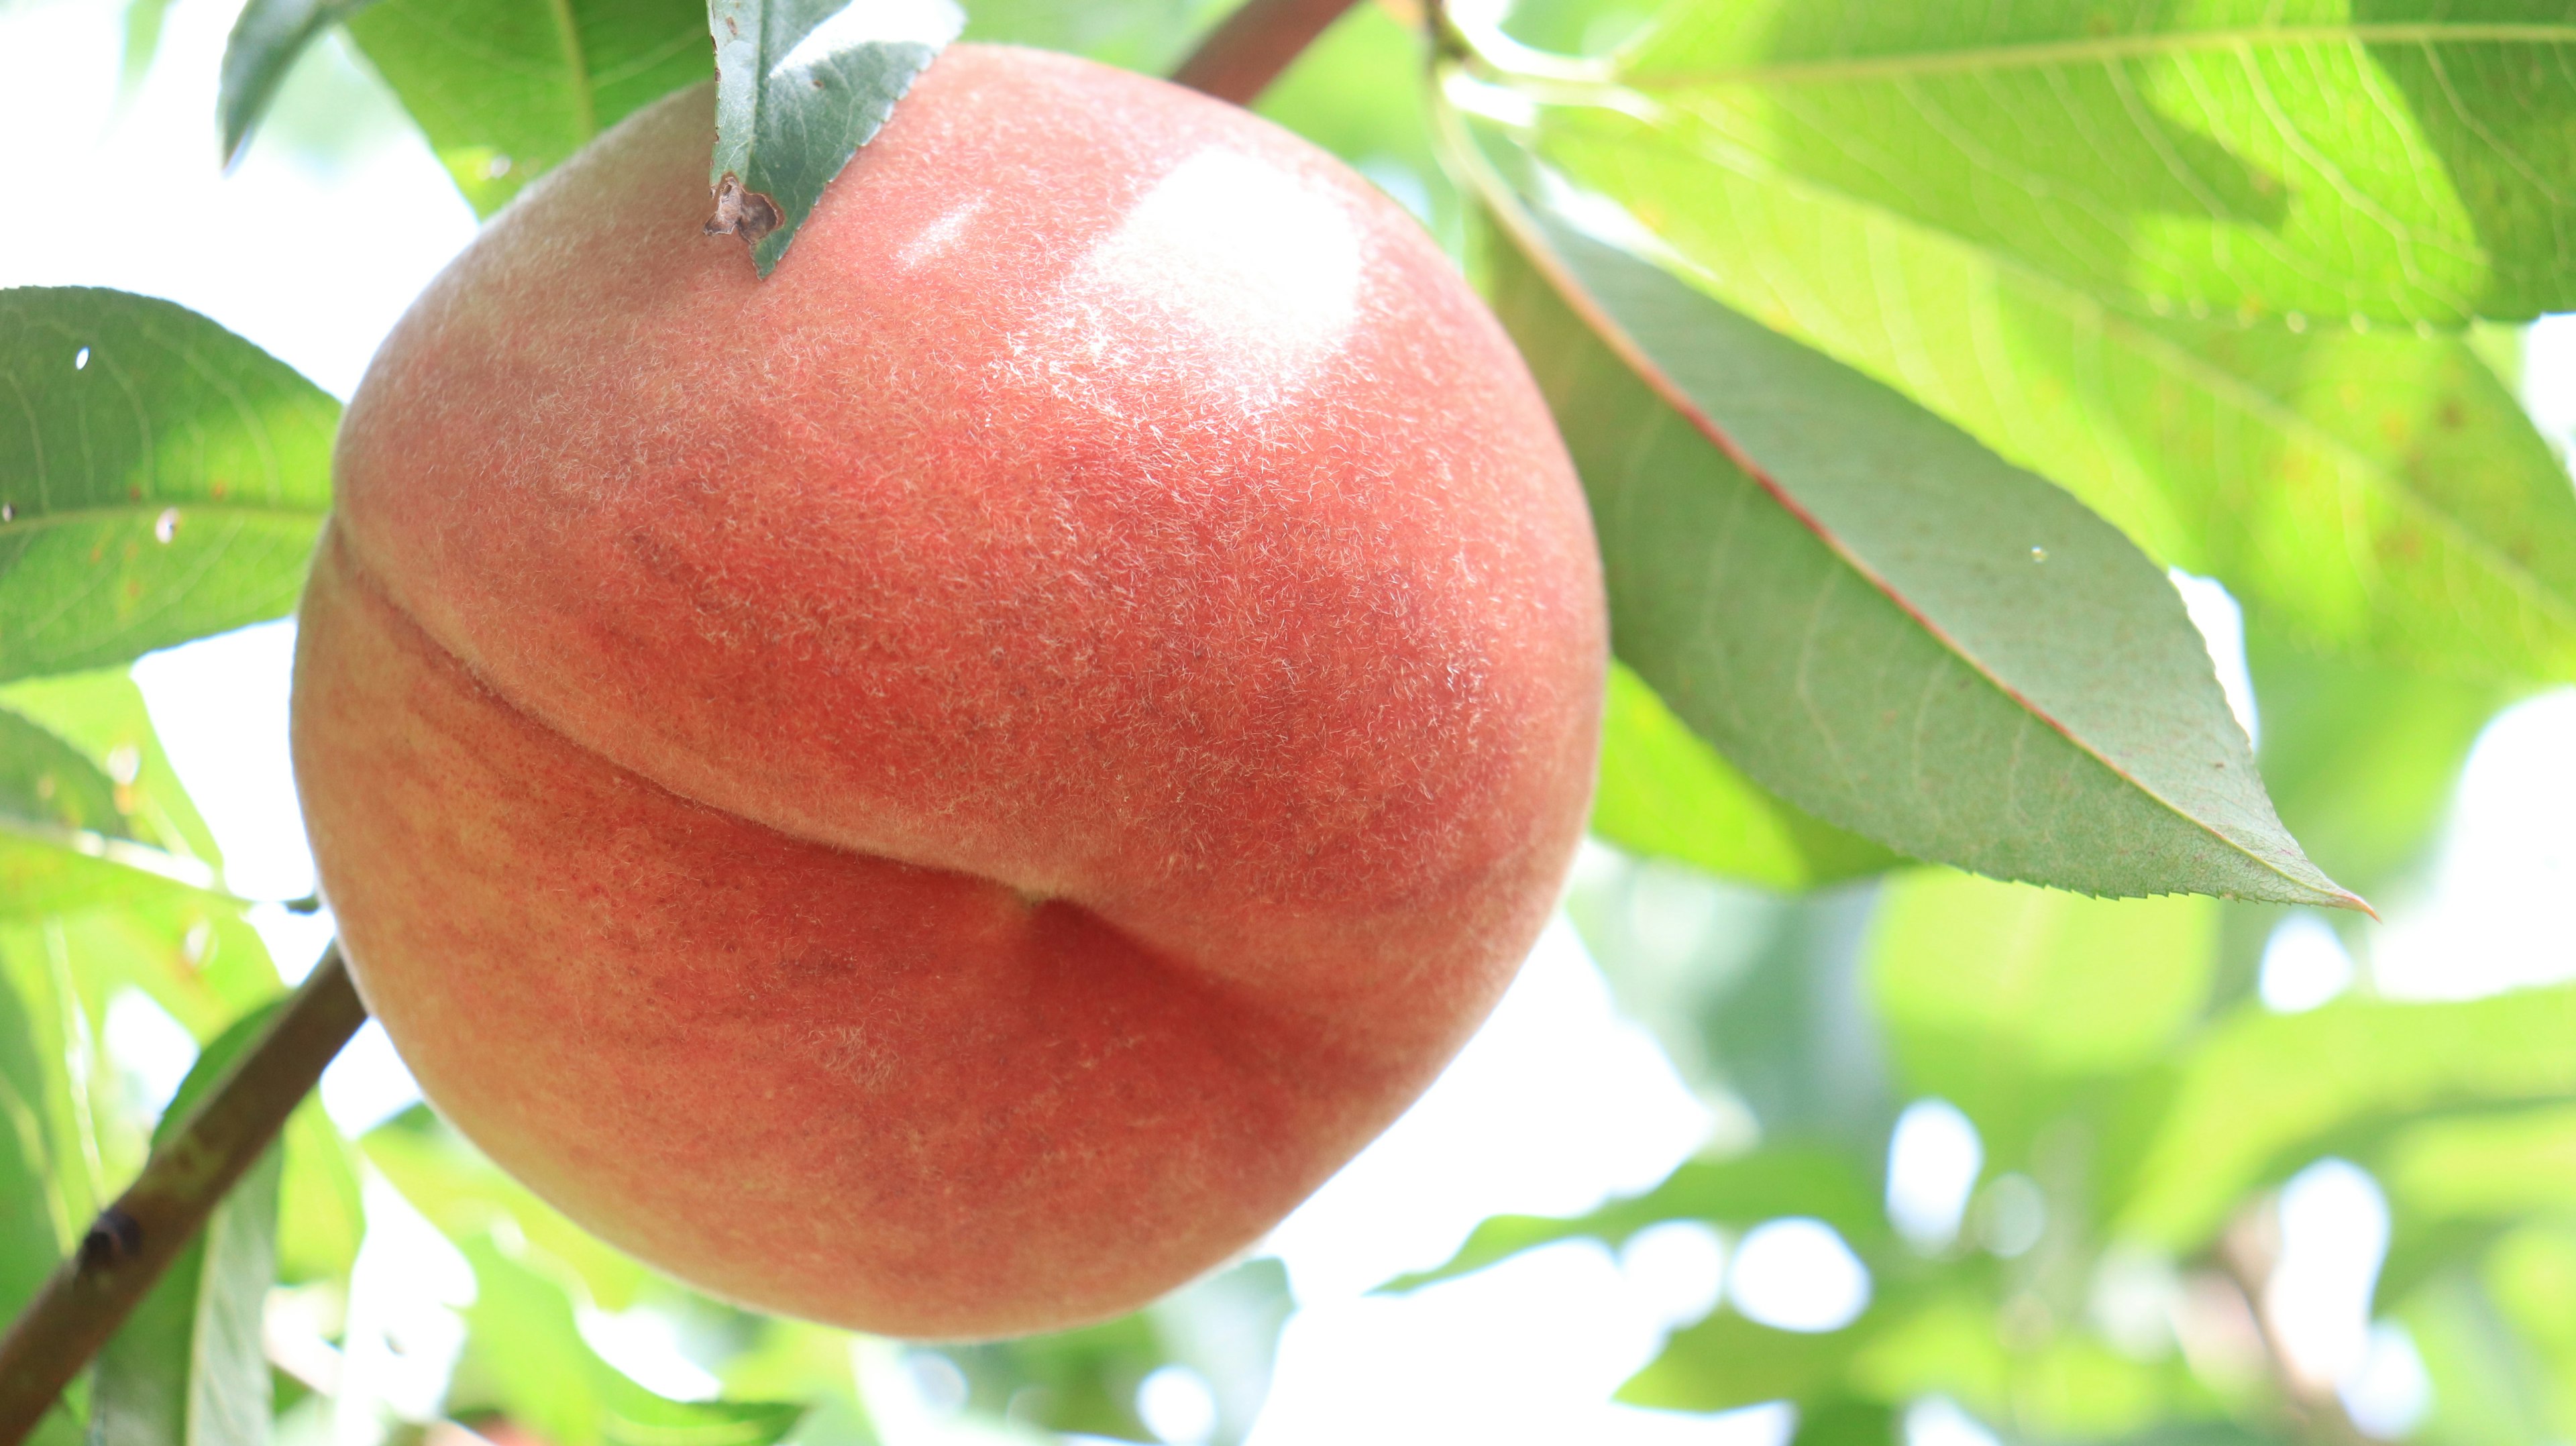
(945, 790)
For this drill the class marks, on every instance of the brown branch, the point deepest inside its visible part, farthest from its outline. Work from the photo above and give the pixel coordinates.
(135, 1239)
(1241, 57)
(2245, 1255)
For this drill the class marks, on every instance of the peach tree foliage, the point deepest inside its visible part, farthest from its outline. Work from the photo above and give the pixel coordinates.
(1901, 348)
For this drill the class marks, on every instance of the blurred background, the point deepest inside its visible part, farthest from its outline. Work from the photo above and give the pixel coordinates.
(1958, 1162)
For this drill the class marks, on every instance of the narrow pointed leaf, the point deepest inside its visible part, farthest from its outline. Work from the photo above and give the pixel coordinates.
(2267, 1093)
(266, 40)
(1727, 1361)
(2400, 162)
(800, 86)
(506, 89)
(46, 781)
(1776, 1181)
(160, 478)
(2375, 493)
(187, 1368)
(525, 1357)
(34, 1231)
(101, 714)
(1877, 618)
(65, 840)
(2017, 1004)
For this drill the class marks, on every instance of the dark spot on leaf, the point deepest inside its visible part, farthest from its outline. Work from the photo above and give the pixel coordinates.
(741, 211)
(2453, 415)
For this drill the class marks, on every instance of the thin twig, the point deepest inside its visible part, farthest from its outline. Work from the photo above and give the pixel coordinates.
(135, 1239)
(2245, 1258)
(1240, 58)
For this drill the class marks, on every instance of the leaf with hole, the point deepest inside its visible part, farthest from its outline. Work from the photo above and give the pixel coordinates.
(160, 478)
(800, 86)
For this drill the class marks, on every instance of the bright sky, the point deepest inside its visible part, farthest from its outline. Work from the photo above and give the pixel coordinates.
(1558, 1104)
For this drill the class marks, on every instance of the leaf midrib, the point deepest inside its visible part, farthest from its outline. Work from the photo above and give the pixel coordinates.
(2109, 321)
(1509, 210)
(142, 858)
(585, 90)
(2096, 50)
(1653, 375)
(38, 522)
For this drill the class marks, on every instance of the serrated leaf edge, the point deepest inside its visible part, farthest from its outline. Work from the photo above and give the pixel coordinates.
(1507, 208)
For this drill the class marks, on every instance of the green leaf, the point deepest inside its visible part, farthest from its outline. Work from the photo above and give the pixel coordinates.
(160, 478)
(67, 838)
(1083, 1383)
(2004, 999)
(2490, 1388)
(1727, 1361)
(320, 1214)
(34, 1230)
(2399, 162)
(49, 871)
(466, 1195)
(267, 38)
(47, 782)
(102, 715)
(1662, 791)
(800, 86)
(1775, 1181)
(2530, 1276)
(2372, 492)
(507, 89)
(82, 809)
(87, 1144)
(187, 1368)
(2459, 1184)
(2266, 1094)
(1877, 618)
(2498, 1166)
(525, 1358)
(1846, 1421)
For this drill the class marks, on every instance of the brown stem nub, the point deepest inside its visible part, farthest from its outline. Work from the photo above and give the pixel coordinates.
(136, 1238)
(1240, 58)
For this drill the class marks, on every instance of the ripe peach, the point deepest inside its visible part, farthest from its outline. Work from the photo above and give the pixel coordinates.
(944, 791)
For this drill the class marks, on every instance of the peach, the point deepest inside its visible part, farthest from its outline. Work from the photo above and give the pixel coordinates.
(945, 790)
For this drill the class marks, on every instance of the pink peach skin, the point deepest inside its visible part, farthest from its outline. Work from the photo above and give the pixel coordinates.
(946, 790)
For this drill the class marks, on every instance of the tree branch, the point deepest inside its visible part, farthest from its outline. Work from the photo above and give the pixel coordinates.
(1241, 57)
(2245, 1256)
(134, 1240)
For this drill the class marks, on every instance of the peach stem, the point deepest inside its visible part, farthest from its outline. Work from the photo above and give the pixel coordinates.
(1241, 57)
